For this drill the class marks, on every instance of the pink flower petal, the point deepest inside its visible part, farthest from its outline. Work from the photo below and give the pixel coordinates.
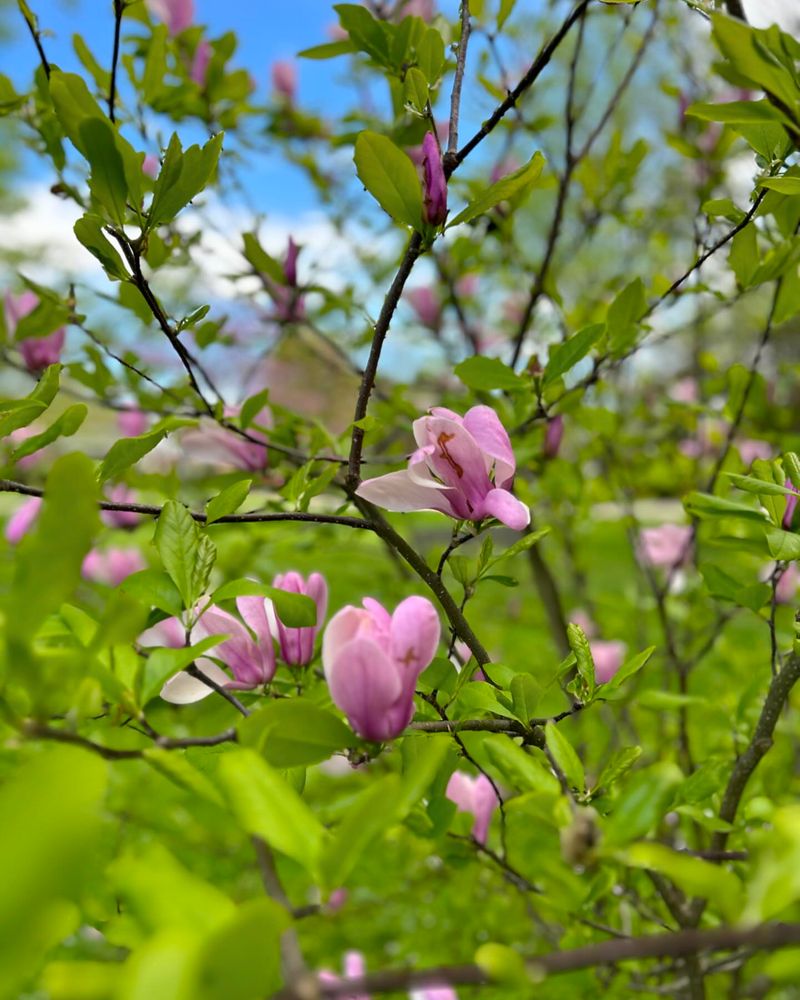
(506, 508)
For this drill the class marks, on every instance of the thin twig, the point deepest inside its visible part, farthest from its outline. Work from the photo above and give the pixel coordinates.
(455, 97)
(119, 7)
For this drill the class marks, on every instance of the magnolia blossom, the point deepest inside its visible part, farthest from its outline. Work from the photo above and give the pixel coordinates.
(218, 446)
(426, 9)
(176, 14)
(666, 545)
(608, 657)
(425, 303)
(151, 166)
(787, 586)
(296, 644)
(169, 632)
(132, 423)
(251, 661)
(37, 352)
(791, 507)
(435, 183)
(288, 299)
(553, 434)
(372, 661)
(750, 449)
(22, 520)
(120, 518)
(476, 796)
(685, 390)
(354, 966)
(463, 467)
(202, 57)
(284, 78)
(435, 993)
(112, 566)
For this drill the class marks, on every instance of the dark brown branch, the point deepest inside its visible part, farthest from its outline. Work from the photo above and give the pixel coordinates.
(37, 41)
(152, 510)
(766, 937)
(413, 251)
(455, 97)
(119, 7)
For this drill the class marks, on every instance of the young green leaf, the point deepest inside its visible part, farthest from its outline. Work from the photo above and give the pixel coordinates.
(390, 177)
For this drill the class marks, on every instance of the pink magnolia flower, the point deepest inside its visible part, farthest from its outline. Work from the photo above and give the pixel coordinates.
(354, 966)
(435, 183)
(178, 15)
(685, 390)
(336, 900)
(284, 78)
(217, 446)
(132, 423)
(288, 299)
(112, 566)
(426, 9)
(791, 507)
(169, 632)
(202, 57)
(120, 518)
(251, 661)
(372, 661)
(476, 796)
(37, 352)
(786, 590)
(750, 449)
(451, 470)
(426, 305)
(435, 993)
(296, 644)
(553, 434)
(151, 166)
(666, 545)
(608, 657)
(467, 285)
(22, 520)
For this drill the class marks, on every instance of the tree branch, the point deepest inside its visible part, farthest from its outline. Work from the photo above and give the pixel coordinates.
(119, 7)
(455, 97)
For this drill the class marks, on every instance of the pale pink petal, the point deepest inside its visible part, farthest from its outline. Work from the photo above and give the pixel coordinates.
(342, 628)
(254, 612)
(183, 689)
(506, 508)
(485, 803)
(492, 438)
(21, 521)
(415, 633)
(608, 657)
(459, 790)
(398, 492)
(364, 685)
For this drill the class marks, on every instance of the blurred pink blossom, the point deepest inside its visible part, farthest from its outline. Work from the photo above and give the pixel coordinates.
(112, 566)
(37, 352)
(425, 303)
(666, 545)
(22, 520)
(608, 657)
(791, 507)
(176, 14)
(215, 445)
(685, 390)
(132, 423)
(354, 966)
(202, 57)
(284, 78)
(151, 165)
(553, 434)
(750, 449)
(474, 795)
(786, 590)
(120, 493)
(434, 182)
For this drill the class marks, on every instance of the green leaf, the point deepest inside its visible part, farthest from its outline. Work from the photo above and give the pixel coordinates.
(89, 230)
(390, 177)
(484, 373)
(514, 185)
(366, 32)
(783, 185)
(328, 50)
(430, 55)
(228, 501)
(182, 177)
(48, 561)
(415, 89)
(705, 505)
(262, 262)
(186, 552)
(107, 178)
(642, 803)
(294, 610)
(374, 811)
(73, 105)
(584, 662)
(295, 733)
(759, 486)
(624, 314)
(565, 356)
(738, 113)
(620, 763)
(127, 452)
(526, 693)
(265, 805)
(783, 545)
(154, 589)
(524, 770)
(178, 769)
(504, 12)
(164, 663)
(630, 667)
(21, 412)
(565, 757)
(524, 543)
(694, 876)
(64, 426)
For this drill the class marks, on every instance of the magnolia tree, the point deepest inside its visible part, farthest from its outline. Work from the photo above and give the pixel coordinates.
(415, 614)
